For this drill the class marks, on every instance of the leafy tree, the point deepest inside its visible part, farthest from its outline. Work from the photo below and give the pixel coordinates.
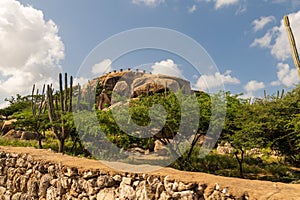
(284, 126)
(36, 119)
(29, 122)
(241, 128)
(204, 102)
(16, 105)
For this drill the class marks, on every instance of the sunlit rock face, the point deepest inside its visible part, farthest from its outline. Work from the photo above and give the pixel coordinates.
(133, 84)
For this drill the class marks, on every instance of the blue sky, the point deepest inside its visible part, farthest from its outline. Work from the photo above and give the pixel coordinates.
(245, 39)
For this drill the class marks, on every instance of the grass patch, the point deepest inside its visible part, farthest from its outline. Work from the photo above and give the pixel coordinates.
(226, 165)
(49, 142)
(18, 143)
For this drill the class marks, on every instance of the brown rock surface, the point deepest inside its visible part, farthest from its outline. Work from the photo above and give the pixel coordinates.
(133, 84)
(13, 134)
(7, 126)
(254, 188)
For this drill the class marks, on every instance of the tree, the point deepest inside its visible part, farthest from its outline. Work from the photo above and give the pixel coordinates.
(29, 122)
(16, 105)
(283, 127)
(34, 119)
(204, 102)
(241, 128)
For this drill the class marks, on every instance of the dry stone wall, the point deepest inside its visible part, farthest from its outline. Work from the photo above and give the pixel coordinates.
(24, 177)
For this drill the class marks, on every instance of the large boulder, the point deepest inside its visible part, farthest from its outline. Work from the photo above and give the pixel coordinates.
(26, 135)
(150, 83)
(23, 135)
(13, 134)
(121, 88)
(160, 148)
(134, 84)
(7, 126)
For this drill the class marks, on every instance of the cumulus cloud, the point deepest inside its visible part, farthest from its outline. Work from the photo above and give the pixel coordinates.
(192, 9)
(260, 23)
(223, 3)
(219, 4)
(81, 81)
(251, 87)
(102, 67)
(150, 3)
(167, 67)
(263, 42)
(30, 49)
(213, 81)
(286, 76)
(276, 39)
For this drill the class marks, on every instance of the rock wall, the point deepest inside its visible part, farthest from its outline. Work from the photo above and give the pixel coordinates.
(23, 177)
(28, 173)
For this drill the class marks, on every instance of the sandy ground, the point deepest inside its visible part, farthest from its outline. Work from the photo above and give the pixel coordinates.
(256, 189)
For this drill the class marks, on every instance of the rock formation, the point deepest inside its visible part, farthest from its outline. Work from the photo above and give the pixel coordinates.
(133, 84)
(23, 135)
(7, 126)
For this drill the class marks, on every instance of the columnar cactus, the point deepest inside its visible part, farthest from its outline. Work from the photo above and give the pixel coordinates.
(56, 112)
(292, 44)
(36, 109)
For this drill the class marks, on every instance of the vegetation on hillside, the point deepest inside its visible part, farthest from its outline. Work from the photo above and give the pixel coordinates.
(270, 124)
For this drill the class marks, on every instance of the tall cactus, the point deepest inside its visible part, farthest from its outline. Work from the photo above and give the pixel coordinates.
(56, 113)
(36, 109)
(292, 44)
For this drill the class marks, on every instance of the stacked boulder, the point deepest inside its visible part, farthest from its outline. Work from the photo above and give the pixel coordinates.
(133, 84)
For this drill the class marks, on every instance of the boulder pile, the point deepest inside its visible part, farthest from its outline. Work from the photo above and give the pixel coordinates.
(133, 84)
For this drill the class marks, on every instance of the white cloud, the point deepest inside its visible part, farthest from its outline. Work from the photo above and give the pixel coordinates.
(276, 39)
(212, 81)
(102, 67)
(263, 42)
(286, 76)
(81, 81)
(30, 49)
(4, 104)
(223, 3)
(167, 67)
(192, 9)
(260, 23)
(150, 3)
(251, 87)
(218, 4)
(281, 48)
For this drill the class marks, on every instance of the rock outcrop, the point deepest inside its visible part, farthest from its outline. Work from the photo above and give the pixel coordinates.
(7, 126)
(23, 135)
(133, 84)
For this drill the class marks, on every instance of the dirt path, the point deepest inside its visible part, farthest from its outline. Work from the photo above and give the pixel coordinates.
(256, 189)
